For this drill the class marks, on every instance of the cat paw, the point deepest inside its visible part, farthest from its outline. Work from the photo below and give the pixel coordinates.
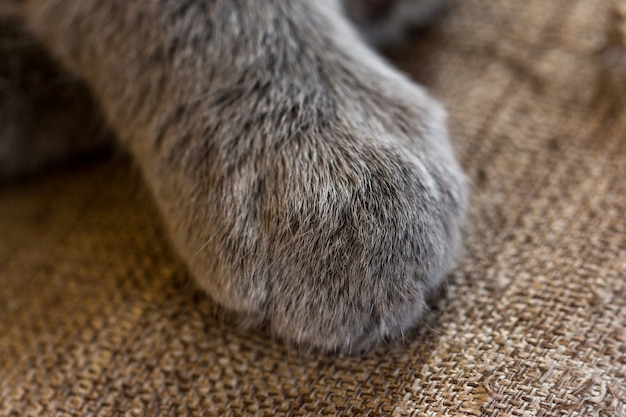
(307, 185)
(326, 202)
(339, 210)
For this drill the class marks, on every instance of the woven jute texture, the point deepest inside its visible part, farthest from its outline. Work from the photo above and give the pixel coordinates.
(97, 316)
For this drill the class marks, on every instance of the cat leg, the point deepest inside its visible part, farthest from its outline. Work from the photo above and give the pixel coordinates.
(48, 117)
(306, 184)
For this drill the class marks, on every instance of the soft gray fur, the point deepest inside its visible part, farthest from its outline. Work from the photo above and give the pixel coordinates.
(306, 184)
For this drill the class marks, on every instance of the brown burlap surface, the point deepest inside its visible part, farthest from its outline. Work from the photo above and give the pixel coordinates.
(97, 317)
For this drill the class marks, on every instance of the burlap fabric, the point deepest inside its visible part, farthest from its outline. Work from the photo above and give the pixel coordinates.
(98, 317)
